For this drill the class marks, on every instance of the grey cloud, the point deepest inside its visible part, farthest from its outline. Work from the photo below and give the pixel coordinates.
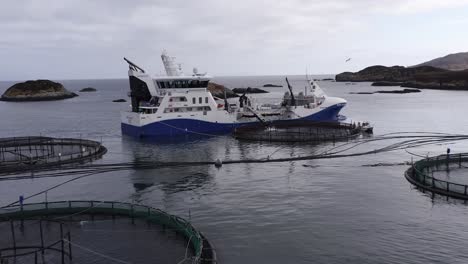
(223, 37)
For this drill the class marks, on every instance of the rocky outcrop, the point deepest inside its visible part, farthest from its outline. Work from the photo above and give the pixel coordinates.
(404, 91)
(455, 85)
(272, 85)
(88, 89)
(424, 77)
(324, 80)
(39, 90)
(248, 90)
(218, 90)
(386, 74)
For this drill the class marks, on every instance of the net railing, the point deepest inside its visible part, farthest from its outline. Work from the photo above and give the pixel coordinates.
(421, 174)
(298, 132)
(20, 153)
(72, 208)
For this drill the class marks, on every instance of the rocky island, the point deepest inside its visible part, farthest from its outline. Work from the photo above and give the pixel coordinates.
(248, 90)
(422, 77)
(219, 90)
(380, 73)
(88, 89)
(272, 85)
(39, 90)
(404, 91)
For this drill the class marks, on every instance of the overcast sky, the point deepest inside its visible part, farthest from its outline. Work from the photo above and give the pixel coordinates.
(79, 39)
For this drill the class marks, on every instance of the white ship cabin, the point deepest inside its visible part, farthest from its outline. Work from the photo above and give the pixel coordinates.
(180, 94)
(174, 93)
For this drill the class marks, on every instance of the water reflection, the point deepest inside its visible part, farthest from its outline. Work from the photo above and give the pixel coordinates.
(171, 180)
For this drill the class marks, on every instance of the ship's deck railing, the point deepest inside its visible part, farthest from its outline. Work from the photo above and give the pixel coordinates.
(75, 208)
(421, 174)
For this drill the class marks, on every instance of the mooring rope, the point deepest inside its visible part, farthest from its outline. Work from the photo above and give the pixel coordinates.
(405, 142)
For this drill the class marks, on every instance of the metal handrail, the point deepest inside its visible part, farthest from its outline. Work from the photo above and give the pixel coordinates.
(417, 174)
(132, 210)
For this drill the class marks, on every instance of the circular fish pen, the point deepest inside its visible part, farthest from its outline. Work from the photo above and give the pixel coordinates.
(444, 174)
(19, 154)
(98, 232)
(298, 132)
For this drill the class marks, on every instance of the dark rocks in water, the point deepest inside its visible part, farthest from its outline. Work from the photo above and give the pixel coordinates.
(387, 83)
(404, 91)
(218, 90)
(248, 90)
(272, 85)
(119, 100)
(39, 90)
(453, 85)
(88, 89)
(325, 79)
(387, 74)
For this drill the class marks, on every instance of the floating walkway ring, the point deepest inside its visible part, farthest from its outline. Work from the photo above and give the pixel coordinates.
(204, 251)
(420, 175)
(20, 154)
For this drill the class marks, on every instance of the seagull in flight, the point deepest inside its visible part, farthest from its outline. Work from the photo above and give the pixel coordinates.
(348, 59)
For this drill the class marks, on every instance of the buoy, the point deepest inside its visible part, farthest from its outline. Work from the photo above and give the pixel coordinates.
(218, 163)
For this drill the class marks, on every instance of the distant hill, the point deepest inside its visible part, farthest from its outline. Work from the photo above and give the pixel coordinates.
(453, 62)
(423, 77)
(380, 73)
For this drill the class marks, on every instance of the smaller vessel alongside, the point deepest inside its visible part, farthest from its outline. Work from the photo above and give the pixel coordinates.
(179, 104)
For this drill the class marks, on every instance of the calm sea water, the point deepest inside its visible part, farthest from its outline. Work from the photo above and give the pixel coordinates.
(320, 211)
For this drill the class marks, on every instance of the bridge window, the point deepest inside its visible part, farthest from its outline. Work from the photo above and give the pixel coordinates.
(204, 84)
(194, 100)
(182, 84)
(206, 100)
(194, 84)
(200, 100)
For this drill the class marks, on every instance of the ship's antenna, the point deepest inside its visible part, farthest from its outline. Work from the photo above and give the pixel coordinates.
(293, 100)
(133, 66)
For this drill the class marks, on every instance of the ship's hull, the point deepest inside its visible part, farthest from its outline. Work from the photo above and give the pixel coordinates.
(183, 126)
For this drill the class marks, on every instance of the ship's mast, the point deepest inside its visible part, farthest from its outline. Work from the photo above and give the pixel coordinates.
(172, 68)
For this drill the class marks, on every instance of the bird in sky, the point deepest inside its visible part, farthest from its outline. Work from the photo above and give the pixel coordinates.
(348, 59)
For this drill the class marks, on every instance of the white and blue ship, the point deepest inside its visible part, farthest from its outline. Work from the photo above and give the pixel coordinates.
(179, 104)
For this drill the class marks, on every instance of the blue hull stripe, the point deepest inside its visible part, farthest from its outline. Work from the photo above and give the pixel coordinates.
(177, 127)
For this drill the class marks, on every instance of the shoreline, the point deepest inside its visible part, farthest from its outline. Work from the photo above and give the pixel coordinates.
(37, 99)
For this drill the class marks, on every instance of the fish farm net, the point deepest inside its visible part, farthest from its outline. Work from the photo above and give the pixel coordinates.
(29, 153)
(298, 132)
(98, 232)
(444, 174)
